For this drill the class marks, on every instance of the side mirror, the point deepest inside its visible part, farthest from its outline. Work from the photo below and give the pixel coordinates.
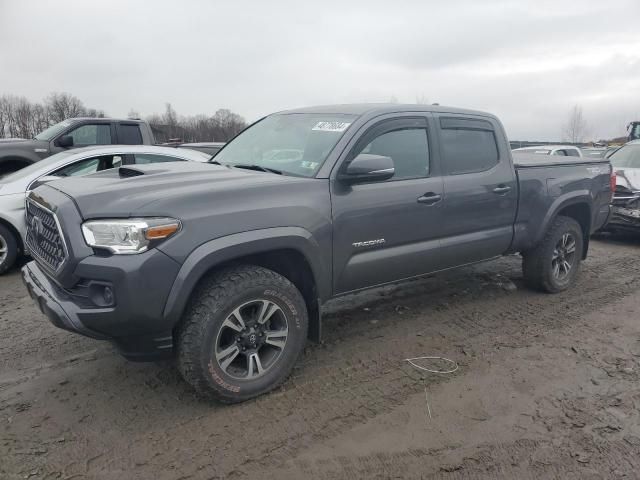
(43, 180)
(368, 168)
(65, 141)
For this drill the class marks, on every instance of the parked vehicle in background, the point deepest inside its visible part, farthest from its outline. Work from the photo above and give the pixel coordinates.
(560, 150)
(70, 163)
(208, 147)
(594, 152)
(18, 153)
(626, 200)
(226, 265)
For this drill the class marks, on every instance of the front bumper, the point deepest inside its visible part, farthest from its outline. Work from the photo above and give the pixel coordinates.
(624, 218)
(134, 321)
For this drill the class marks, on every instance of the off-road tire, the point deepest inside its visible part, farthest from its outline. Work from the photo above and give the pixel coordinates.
(212, 302)
(537, 263)
(9, 241)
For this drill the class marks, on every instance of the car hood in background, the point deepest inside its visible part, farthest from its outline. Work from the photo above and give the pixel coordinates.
(627, 180)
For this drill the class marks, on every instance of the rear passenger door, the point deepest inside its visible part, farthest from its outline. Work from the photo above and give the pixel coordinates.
(480, 189)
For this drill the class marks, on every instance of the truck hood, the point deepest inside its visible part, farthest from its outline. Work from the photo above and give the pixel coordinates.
(123, 192)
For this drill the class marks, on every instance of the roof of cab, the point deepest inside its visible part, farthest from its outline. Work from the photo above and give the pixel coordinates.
(382, 108)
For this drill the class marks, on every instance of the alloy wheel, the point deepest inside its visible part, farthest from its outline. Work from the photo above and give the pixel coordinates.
(251, 339)
(564, 255)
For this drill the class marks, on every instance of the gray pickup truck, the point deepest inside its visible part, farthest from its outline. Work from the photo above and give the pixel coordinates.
(227, 265)
(16, 153)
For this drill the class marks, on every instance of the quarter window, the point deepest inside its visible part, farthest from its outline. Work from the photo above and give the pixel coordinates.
(468, 150)
(91, 135)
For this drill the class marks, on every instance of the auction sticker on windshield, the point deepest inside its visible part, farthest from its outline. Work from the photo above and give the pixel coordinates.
(331, 126)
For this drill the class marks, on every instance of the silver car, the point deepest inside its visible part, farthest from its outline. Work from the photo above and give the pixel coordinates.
(82, 161)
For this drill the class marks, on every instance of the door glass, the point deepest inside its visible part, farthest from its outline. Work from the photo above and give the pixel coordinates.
(83, 167)
(407, 148)
(560, 153)
(143, 158)
(467, 151)
(91, 135)
(129, 135)
(89, 165)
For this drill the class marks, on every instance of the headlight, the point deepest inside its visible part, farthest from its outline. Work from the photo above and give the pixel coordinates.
(133, 235)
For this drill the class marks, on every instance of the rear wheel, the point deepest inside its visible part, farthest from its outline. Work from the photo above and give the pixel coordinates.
(8, 249)
(242, 333)
(553, 265)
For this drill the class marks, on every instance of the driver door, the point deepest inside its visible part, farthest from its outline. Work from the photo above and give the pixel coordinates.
(388, 230)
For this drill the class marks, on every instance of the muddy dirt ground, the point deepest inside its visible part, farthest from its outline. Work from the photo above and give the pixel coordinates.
(548, 387)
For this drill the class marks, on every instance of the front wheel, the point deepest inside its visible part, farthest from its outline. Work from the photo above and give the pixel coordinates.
(8, 249)
(242, 333)
(553, 265)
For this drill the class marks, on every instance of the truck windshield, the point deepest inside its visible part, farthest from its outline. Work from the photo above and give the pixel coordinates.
(293, 143)
(51, 132)
(626, 157)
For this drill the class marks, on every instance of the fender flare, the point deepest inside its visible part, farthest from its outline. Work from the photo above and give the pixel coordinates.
(21, 155)
(571, 198)
(228, 248)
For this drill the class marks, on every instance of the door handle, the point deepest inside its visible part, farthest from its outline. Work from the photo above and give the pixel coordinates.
(430, 198)
(501, 189)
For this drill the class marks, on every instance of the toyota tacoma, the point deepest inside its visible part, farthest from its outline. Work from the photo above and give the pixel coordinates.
(226, 265)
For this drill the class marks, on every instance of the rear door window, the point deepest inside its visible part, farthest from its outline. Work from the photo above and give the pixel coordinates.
(468, 145)
(572, 152)
(129, 134)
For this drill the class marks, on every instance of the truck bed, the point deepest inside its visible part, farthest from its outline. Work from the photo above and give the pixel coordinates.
(526, 160)
(548, 183)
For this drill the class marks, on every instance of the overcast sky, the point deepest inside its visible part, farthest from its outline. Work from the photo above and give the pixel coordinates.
(527, 61)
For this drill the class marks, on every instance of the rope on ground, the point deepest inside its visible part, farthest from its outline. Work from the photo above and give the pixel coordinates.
(413, 363)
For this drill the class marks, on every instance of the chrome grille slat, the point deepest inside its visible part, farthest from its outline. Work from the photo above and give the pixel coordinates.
(44, 237)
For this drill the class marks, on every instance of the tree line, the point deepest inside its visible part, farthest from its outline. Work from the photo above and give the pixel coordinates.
(22, 118)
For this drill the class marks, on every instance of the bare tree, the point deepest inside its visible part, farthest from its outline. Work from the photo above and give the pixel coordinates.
(226, 124)
(575, 130)
(61, 106)
(422, 99)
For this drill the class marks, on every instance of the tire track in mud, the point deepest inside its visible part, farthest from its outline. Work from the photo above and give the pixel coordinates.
(346, 382)
(358, 373)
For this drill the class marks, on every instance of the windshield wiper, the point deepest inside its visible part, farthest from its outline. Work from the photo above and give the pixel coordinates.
(258, 168)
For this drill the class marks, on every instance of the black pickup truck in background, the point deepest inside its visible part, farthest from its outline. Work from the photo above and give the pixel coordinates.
(16, 153)
(226, 265)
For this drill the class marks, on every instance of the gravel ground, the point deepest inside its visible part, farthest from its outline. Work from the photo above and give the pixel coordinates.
(547, 388)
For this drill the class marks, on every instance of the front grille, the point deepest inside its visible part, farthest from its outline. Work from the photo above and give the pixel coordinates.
(44, 238)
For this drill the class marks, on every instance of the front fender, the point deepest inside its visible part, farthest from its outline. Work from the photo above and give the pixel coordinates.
(18, 154)
(231, 247)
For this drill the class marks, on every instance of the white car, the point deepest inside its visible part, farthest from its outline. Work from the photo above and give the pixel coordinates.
(561, 150)
(81, 161)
